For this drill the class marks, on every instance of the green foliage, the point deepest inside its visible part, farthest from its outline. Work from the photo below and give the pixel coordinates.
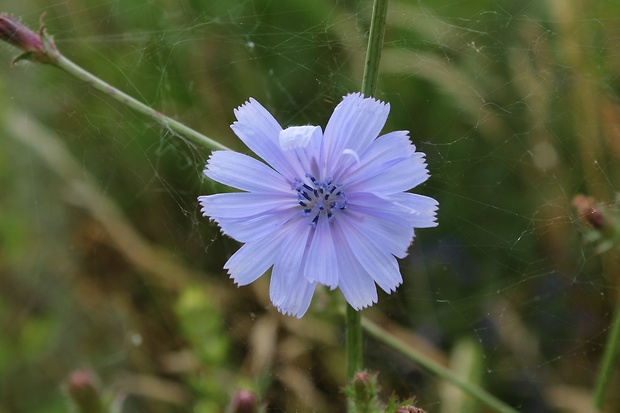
(201, 322)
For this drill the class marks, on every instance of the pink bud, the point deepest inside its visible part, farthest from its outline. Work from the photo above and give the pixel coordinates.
(244, 401)
(19, 35)
(36, 46)
(83, 389)
(589, 211)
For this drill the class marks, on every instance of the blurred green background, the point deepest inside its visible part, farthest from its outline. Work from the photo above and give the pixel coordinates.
(107, 265)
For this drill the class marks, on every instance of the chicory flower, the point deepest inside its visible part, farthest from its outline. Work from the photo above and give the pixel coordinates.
(326, 208)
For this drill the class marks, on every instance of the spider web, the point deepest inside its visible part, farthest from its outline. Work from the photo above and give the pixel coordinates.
(514, 104)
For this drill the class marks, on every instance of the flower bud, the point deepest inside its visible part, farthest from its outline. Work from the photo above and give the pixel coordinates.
(244, 401)
(365, 386)
(362, 393)
(84, 392)
(589, 211)
(36, 46)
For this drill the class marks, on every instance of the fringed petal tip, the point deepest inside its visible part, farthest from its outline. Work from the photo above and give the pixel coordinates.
(290, 312)
(251, 108)
(360, 98)
(203, 201)
(361, 306)
(213, 155)
(235, 279)
(218, 222)
(432, 219)
(393, 288)
(434, 210)
(244, 105)
(293, 306)
(284, 306)
(368, 105)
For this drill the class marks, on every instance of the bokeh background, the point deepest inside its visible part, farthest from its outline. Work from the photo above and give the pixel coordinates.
(107, 265)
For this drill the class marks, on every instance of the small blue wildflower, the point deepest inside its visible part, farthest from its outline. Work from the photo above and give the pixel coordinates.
(328, 208)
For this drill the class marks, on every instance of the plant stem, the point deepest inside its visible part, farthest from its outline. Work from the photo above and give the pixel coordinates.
(375, 44)
(438, 370)
(610, 357)
(369, 84)
(68, 66)
(353, 341)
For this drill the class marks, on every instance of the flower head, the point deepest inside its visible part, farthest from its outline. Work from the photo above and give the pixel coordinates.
(327, 208)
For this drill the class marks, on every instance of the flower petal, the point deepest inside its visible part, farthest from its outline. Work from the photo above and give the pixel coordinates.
(384, 150)
(355, 123)
(389, 165)
(244, 204)
(246, 173)
(302, 147)
(322, 263)
(415, 210)
(378, 204)
(256, 227)
(356, 284)
(290, 292)
(259, 130)
(380, 264)
(388, 231)
(390, 178)
(253, 259)
(422, 208)
(297, 137)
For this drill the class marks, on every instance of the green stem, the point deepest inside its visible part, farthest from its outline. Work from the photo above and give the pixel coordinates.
(169, 123)
(375, 44)
(438, 370)
(610, 357)
(369, 84)
(353, 341)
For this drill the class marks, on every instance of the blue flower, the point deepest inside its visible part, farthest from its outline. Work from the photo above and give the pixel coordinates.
(327, 208)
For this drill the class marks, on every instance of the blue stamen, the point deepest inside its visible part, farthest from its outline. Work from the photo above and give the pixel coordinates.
(319, 198)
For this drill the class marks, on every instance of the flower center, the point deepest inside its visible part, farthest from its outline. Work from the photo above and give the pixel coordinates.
(320, 198)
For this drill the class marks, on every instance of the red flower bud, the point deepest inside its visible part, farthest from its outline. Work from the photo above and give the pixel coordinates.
(36, 46)
(244, 401)
(589, 211)
(83, 390)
